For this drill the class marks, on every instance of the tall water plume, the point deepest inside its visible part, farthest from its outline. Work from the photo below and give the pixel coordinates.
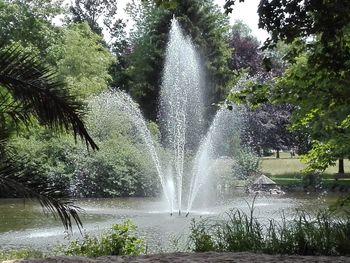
(181, 118)
(181, 108)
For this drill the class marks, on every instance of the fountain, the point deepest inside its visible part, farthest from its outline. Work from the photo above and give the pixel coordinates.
(181, 119)
(185, 161)
(181, 110)
(185, 172)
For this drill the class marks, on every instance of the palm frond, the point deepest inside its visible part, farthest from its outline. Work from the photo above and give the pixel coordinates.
(37, 89)
(14, 110)
(10, 181)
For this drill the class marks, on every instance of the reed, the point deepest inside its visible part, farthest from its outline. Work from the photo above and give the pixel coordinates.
(322, 233)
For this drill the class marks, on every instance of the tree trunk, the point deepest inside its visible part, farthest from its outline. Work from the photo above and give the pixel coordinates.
(341, 166)
(278, 153)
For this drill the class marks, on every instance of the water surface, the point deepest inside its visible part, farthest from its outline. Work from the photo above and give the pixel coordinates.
(23, 223)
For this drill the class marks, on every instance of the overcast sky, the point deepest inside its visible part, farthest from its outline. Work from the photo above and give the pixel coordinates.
(247, 12)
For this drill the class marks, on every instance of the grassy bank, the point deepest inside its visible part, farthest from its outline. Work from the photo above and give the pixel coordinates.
(287, 165)
(287, 171)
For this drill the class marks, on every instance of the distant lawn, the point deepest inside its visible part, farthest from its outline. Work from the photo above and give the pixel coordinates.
(287, 171)
(273, 166)
(287, 166)
(328, 183)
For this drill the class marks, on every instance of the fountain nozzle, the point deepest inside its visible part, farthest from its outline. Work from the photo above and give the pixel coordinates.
(187, 214)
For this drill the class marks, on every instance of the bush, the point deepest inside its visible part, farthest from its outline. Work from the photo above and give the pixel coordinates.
(120, 168)
(19, 254)
(120, 240)
(246, 163)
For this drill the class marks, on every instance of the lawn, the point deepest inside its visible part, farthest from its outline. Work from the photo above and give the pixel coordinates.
(286, 165)
(288, 171)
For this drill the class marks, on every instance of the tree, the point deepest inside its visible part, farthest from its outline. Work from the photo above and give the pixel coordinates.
(207, 27)
(82, 61)
(91, 11)
(30, 90)
(266, 127)
(246, 53)
(317, 78)
(29, 22)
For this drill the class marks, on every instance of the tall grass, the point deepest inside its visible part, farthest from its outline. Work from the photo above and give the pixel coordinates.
(323, 233)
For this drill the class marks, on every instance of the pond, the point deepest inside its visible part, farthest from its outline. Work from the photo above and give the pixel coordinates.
(23, 223)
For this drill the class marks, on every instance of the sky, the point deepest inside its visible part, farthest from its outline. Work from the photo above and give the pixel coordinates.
(246, 11)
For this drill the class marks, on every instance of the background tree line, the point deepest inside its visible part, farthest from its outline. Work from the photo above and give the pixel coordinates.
(88, 64)
(316, 78)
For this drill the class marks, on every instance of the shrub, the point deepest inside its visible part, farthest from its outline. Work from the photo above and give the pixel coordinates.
(120, 168)
(120, 240)
(19, 254)
(246, 163)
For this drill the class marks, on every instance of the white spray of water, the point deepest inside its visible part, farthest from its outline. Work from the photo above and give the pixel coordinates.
(120, 102)
(181, 112)
(181, 100)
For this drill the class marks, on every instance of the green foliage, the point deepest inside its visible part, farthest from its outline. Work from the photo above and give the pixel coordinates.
(200, 237)
(154, 129)
(92, 12)
(342, 206)
(321, 234)
(44, 158)
(120, 168)
(320, 157)
(28, 23)
(31, 92)
(202, 21)
(322, 109)
(83, 62)
(19, 254)
(317, 78)
(120, 240)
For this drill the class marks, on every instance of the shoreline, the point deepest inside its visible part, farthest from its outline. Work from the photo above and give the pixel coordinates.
(238, 257)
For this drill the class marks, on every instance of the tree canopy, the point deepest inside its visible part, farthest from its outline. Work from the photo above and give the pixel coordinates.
(317, 78)
(82, 61)
(206, 25)
(92, 11)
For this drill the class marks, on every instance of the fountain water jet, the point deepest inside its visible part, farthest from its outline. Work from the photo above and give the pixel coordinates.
(207, 153)
(181, 110)
(181, 119)
(119, 102)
